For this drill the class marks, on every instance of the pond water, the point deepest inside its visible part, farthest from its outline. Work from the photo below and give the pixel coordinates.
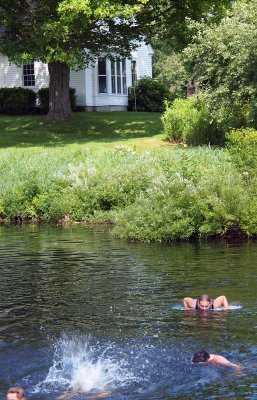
(81, 309)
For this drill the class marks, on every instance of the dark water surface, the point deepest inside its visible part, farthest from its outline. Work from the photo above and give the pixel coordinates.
(80, 308)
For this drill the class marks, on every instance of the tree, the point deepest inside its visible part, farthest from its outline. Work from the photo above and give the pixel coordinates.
(170, 69)
(170, 32)
(223, 57)
(168, 20)
(70, 33)
(67, 34)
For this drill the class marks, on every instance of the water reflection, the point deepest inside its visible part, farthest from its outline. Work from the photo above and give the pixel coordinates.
(77, 301)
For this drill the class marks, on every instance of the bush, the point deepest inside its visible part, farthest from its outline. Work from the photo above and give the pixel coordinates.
(190, 121)
(242, 144)
(147, 94)
(200, 195)
(161, 195)
(178, 118)
(17, 100)
(43, 95)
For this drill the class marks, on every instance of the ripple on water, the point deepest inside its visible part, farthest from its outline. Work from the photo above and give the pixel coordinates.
(112, 300)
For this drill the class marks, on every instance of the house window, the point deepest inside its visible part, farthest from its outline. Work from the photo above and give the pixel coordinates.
(113, 76)
(124, 76)
(118, 76)
(28, 75)
(133, 71)
(102, 77)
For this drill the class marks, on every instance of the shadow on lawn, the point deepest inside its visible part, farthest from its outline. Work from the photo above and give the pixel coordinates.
(81, 128)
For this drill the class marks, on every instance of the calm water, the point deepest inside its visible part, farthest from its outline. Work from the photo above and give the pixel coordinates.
(80, 308)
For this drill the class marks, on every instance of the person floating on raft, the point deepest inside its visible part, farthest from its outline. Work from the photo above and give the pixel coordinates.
(204, 302)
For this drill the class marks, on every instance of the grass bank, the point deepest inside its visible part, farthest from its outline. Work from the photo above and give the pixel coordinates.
(100, 167)
(157, 195)
(95, 131)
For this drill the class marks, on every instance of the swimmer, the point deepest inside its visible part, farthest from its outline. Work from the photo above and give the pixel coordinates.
(204, 302)
(213, 359)
(16, 393)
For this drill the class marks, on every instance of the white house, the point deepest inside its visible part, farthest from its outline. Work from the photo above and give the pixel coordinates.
(102, 87)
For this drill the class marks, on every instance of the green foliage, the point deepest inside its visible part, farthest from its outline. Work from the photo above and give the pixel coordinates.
(190, 121)
(167, 21)
(60, 31)
(178, 118)
(242, 144)
(43, 95)
(17, 201)
(201, 194)
(223, 58)
(170, 69)
(161, 195)
(147, 94)
(17, 100)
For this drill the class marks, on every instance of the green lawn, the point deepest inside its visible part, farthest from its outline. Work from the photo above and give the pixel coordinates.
(95, 130)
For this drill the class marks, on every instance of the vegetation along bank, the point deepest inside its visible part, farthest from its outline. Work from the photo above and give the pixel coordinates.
(159, 194)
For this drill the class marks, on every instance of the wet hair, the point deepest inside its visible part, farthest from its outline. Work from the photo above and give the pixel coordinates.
(200, 356)
(19, 391)
(204, 297)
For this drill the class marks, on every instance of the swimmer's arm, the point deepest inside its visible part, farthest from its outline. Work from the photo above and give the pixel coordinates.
(69, 394)
(189, 302)
(101, 395)
(220, 301)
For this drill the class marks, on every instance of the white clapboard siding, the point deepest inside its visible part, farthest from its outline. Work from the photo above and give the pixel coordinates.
(144, 61)
(77, 81)
(11, 76)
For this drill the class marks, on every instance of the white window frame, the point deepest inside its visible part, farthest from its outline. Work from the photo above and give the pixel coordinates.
(28, 75)
(102, 75)
(119, 77)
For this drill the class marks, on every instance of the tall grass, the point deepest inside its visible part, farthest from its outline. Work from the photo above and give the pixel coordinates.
(159, 195)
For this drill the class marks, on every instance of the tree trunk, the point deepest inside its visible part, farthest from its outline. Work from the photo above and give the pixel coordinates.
(59, 91)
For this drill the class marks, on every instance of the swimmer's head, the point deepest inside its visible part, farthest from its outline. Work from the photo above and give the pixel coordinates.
(200, 357)
(16, 393)
(204, 297)
(204, 302)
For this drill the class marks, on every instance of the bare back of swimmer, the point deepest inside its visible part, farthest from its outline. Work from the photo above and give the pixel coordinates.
(214, 359)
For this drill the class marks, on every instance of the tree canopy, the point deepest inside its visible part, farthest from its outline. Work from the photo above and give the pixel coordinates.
(68, 30)
(170, 25)
(223, 58)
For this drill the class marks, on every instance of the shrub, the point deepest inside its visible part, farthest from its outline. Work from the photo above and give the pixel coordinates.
(205, 196)
(43, 95)
(190, 121)
(17, 100)
(242, 144)
(147, 94)
(178, 118)
(17, 201)
(158, 195)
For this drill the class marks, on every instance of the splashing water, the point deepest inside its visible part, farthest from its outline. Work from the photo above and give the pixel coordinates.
(79, 363)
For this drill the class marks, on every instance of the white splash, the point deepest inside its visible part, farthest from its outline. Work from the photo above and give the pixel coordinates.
(80, 364)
